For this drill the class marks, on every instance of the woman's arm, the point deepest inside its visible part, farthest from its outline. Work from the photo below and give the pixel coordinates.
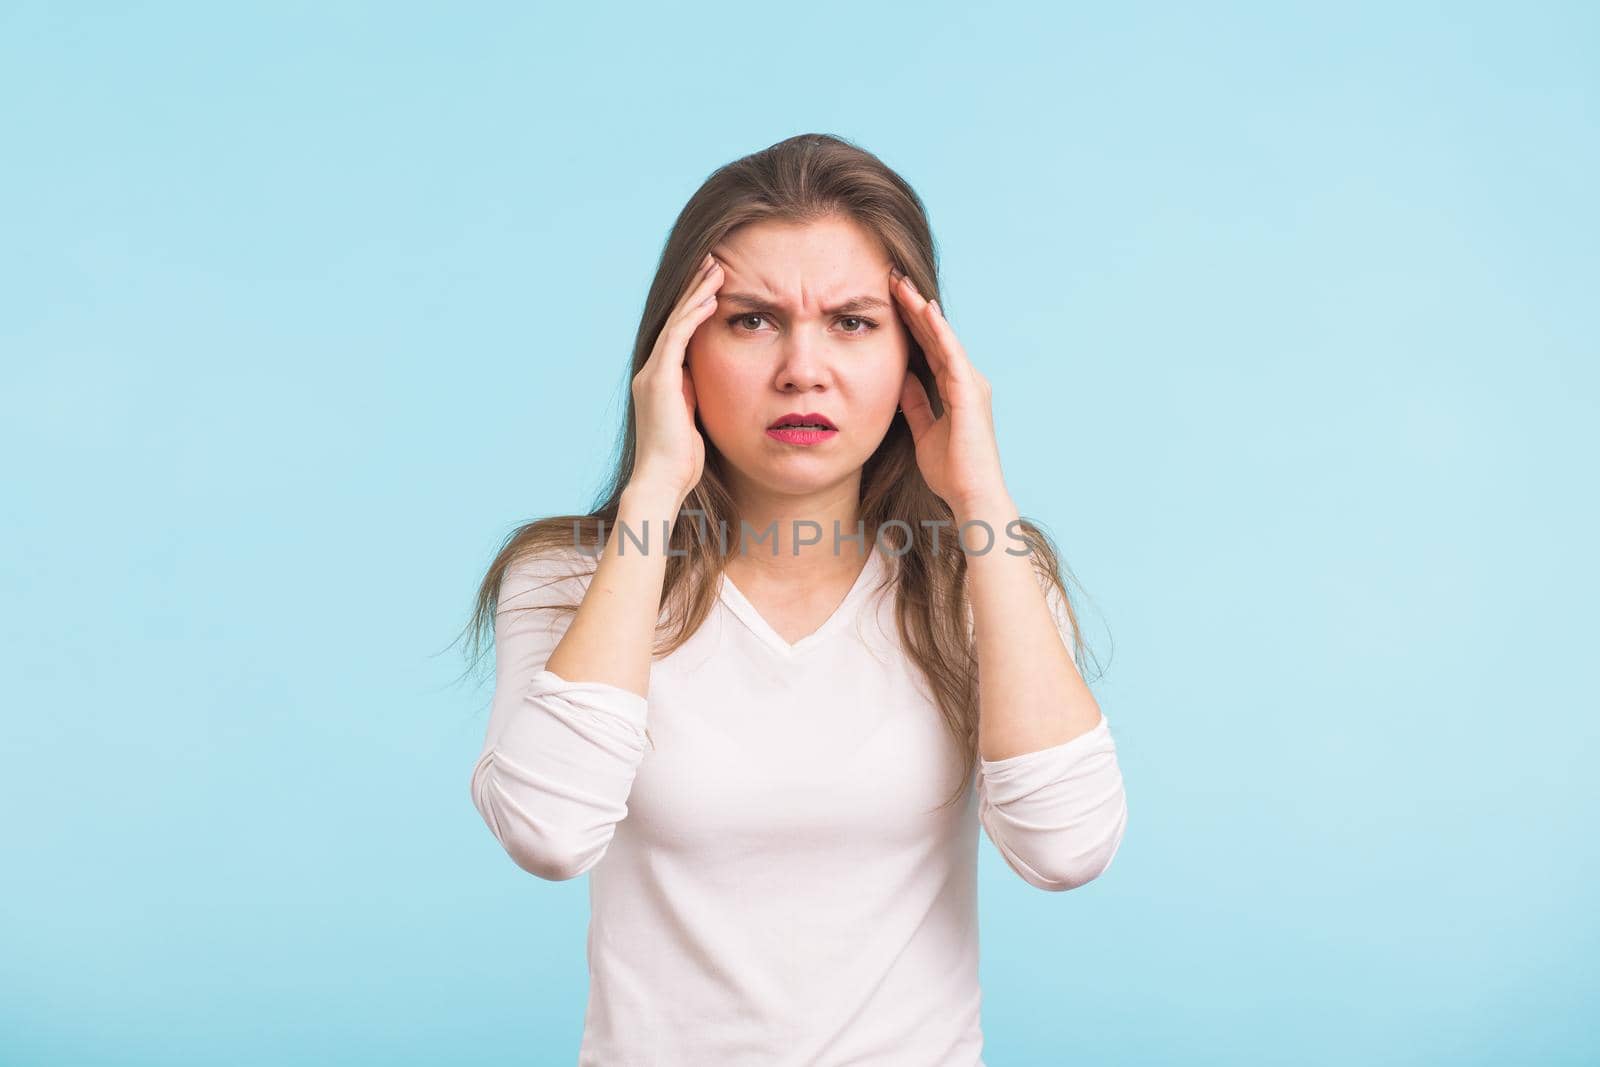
(567, 732)
(1050, 792)
(567, 724)
(613, 634)
(1030, 691)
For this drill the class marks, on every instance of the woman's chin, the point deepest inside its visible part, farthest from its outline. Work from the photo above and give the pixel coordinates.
(799, 475)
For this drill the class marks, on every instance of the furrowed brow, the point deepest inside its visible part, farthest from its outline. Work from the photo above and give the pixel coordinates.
(752, 302)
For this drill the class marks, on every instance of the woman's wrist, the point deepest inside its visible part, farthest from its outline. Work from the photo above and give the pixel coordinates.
(652, 502)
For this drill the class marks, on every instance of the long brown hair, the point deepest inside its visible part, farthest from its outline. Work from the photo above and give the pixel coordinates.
(803, 179)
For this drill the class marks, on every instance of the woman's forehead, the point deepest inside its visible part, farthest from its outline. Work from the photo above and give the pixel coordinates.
(816, 265)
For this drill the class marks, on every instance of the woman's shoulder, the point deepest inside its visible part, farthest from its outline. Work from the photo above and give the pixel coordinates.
(547, 574)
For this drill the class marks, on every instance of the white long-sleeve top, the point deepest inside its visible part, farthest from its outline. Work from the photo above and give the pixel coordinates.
(773, 882)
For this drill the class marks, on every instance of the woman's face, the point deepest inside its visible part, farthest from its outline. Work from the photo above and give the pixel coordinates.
(805, 323)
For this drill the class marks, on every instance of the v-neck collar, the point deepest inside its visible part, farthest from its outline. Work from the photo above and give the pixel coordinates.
(740, 605)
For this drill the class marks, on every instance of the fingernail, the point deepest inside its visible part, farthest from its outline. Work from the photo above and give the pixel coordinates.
(937, 308)
(707, 261)
(895, 272)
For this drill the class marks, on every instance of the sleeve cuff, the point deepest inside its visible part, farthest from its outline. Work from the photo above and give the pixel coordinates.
(1016, 776)
(603, 697)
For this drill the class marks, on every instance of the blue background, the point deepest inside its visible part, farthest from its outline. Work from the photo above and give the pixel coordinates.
(1290, 316)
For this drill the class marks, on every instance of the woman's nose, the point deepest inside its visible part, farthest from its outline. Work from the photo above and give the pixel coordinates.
(802, 363)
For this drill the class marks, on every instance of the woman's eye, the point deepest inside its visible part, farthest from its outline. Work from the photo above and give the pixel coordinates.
(741, 320)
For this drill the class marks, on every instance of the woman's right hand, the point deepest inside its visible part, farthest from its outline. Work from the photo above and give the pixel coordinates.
(669, 452)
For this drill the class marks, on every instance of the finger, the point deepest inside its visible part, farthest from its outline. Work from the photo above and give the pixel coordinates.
(697, 304)
(941, 337)
(700, 272)
(707, 282)
(949, 344)
(953, 371)
(671, 349)
(914, 404)
(703, 302)
(914, 311)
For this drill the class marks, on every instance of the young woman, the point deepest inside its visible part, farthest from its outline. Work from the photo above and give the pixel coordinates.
(762, 693)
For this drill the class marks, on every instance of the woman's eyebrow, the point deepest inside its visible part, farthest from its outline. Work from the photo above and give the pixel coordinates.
(756, 303)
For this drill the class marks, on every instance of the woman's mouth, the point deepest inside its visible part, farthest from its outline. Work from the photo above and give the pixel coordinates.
(803, 428)
(801, 435)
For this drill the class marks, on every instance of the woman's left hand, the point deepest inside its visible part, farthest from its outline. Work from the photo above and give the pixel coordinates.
(956, 452)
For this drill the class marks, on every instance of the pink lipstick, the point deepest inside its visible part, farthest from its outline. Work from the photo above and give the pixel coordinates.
(802, 428)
